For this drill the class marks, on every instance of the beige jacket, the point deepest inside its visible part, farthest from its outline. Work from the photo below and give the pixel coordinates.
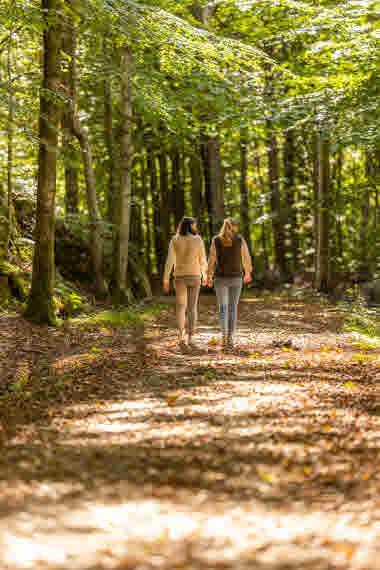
(187, 255)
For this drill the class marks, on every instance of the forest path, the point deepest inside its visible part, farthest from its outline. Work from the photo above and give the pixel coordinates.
(265, 458)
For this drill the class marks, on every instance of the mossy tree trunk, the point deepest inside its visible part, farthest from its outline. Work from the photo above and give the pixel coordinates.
(40, 306)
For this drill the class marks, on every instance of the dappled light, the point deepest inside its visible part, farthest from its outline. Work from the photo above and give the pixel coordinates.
(262, 457)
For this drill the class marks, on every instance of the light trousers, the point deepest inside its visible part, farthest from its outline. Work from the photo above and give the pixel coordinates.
(228, 290)
(187, 295)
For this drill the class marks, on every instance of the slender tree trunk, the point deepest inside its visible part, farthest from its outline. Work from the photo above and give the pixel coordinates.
(160, 245)
(322, 270)
(164, 197)
(264, 244)
(364, 268)
(316, 204)
(365, 238)
(208, 191)
(111, 196)
(338, 199)
(121, 293)
(40, 306)
(244, 192)
(196, 187)
(177, 187)
(290, 190)
(8, 228)
(70, 153)
(276, 205)
(377, 197)
(147, 223)
(96, 224)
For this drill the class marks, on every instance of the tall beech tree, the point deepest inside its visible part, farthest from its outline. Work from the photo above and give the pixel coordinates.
(40, 307)
(122, 293)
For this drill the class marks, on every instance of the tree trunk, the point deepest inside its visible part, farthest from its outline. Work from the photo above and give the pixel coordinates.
(70, 154)
(121, 293)
(322, 269)
(276, 205)
(290, 189)
(96, 224)
(216, 183)
(264, 244)
(178, 193)
(40, 306)
(315, 148)
(6, 227)
(365, 246)
(338, 198)
(111, 197)
(244, 192)
(159, 243)
(165, 197)
(213, 182)
(196, 187)
(148, 239)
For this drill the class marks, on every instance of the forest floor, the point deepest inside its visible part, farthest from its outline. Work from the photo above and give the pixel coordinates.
(119, 451)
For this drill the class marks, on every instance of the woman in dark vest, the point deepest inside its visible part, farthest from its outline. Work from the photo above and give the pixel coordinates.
(229, 257)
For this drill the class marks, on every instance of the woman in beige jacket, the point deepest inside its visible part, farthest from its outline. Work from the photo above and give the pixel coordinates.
(188, 257)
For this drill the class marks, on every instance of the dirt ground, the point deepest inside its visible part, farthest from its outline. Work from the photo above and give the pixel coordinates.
(132, 454)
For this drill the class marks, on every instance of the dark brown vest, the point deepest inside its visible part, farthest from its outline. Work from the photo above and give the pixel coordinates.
(228, 258)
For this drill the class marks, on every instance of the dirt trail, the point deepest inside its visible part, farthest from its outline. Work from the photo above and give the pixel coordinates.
(265, 458)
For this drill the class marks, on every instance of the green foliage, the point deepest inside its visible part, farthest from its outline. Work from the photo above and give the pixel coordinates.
(134, 316)
(359, 318)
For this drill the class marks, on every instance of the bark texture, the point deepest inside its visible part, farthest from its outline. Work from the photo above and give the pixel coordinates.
(322, 269)
(279, 235)
(70, 153)
(121, 294)
(110, 143)
(40, 306)
(244, 192)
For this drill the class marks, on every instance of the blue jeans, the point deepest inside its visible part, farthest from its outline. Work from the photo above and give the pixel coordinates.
(228, 291)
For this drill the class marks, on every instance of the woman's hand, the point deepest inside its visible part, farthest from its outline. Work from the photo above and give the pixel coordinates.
(166, 286)
(247, 277)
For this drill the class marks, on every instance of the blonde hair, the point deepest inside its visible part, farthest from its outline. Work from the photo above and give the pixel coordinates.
(226, 232)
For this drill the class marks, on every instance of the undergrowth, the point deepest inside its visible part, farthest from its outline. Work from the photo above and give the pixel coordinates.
(132, 316)
(361, 320)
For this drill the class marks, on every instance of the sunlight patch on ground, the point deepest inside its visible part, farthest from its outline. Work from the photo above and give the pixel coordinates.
(168, 535)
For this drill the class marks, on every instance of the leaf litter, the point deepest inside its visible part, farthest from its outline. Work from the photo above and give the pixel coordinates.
(129, 453)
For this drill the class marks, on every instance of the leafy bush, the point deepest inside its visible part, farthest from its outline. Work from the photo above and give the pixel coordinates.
(359, 318)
